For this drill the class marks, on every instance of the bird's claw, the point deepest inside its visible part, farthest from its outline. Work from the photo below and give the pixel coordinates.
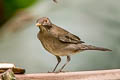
(57, 71)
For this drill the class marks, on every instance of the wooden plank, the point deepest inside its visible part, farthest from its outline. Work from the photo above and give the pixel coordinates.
(82, 75)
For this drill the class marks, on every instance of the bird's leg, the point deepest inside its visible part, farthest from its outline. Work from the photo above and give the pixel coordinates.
(59, 60)
(68, 60)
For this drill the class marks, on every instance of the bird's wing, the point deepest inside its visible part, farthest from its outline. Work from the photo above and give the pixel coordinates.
(70, 38)
(65, 36)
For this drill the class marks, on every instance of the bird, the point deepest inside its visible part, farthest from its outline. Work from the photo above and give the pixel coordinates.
(61, 42)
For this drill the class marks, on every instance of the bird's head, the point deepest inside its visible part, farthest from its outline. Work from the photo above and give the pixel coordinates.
(44, 23)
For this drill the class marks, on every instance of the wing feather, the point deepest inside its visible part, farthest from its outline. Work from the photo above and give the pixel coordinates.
(70, 38)
(64, 36)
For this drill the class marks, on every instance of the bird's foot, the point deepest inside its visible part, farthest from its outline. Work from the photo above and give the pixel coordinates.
(50, 72)
(59, 71)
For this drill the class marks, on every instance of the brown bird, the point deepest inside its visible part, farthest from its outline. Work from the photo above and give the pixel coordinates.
(60, 42)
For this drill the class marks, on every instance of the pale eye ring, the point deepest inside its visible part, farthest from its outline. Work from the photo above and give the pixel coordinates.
(46, 21)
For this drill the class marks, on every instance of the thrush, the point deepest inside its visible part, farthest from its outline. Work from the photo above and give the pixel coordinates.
(60, 42)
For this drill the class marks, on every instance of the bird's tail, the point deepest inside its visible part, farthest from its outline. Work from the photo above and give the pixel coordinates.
(90, 47)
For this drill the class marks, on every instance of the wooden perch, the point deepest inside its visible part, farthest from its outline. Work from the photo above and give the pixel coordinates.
(82, 75)
(5, 66)
(8, 75)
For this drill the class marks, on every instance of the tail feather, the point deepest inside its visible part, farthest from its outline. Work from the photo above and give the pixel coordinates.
(90, 47)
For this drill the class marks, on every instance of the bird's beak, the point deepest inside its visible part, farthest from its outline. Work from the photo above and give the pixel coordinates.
(37, 24)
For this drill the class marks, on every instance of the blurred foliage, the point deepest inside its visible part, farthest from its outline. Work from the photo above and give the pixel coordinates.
(9, 7)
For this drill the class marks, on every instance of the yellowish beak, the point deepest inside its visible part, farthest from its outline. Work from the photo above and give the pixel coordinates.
(37, 24)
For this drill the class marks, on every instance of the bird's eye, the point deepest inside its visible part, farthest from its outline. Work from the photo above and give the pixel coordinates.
(46, 21)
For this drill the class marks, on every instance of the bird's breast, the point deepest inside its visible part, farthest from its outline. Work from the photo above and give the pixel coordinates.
(49, 42)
